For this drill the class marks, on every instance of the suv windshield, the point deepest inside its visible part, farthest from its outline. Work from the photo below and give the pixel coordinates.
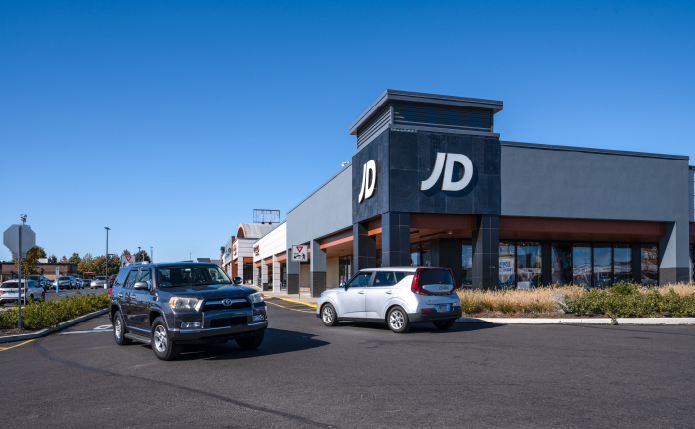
(187, 275)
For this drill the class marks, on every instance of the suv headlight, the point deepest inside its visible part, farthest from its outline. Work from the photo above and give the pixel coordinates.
(183, 303)
(255, 298)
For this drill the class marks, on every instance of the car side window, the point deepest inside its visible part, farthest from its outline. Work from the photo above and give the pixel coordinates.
(360, 280)
(384, 278)
(400, 275)
(132, 278)
(145, 277)
(120, 278)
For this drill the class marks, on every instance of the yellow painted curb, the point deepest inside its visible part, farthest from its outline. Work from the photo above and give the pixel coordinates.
(292, 300)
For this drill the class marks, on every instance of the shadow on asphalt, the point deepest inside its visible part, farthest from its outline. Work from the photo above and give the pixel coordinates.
(277, 341)
(421, 327)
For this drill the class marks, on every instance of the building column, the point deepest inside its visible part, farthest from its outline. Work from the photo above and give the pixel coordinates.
(395, 239)
(363, 248)
(486, 258)
(264, 276)
(276, 274)
(256, 275)
(674, 260)
(546, 263)
(240, 269)
(448, 253)
(317, 262)
(292, 274)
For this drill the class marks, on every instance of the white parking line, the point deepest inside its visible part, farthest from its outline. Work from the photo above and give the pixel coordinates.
(100, 328)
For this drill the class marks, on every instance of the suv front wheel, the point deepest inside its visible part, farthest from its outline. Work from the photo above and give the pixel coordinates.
(162, 346)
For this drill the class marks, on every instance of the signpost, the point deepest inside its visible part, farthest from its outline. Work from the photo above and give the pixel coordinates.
(299, 254)
(19, 239)
(127, 259)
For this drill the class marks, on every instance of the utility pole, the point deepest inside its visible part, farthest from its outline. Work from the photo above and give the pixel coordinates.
(151, 255)
(107, 253)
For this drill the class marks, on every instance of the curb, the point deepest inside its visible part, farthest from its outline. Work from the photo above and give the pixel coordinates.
(47, 331)
(592, 321)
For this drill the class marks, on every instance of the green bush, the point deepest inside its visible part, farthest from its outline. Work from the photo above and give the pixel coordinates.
(625, 300)
(40, 315)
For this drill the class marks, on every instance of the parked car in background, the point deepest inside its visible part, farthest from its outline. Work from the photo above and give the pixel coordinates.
(98, 282)
(399, 296)
(111, 279)
(73, 282)
(9, 291)
(42, 281)
(80, 284)
(64, 282)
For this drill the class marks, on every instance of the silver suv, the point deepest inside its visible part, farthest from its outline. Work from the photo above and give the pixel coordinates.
(399, 296)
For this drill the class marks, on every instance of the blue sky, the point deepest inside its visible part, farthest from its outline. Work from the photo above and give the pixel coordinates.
(171, 121)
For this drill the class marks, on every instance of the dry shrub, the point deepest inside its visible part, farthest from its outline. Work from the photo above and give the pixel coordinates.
(537, 300)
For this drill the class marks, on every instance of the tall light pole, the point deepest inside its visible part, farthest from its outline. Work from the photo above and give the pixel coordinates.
(107, 252)
(151, 255)
(140, 255)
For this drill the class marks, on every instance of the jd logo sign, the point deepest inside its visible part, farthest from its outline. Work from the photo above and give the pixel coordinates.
(445, 162)
(368, 181)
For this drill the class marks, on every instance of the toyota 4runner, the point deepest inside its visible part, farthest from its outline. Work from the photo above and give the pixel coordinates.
(169, 305)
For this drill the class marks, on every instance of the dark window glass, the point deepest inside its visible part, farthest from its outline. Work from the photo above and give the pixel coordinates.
(132, 278)
(145, 277)
(692, 263)
(507, 263)
(415, 260)
(562, 263)
(435, 277)
(528, 265)
(581, 264)
(622, 263)
(360, 280)
(649, 260)
(189, 275)
(467, 263)
(120, 278)
(378, 258)
(400, 275)
(603, 262)
(382, 278)
(426, 254)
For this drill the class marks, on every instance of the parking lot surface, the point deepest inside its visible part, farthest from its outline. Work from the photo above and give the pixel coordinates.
(359, 376)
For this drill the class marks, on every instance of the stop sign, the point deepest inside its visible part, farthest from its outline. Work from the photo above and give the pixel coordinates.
(11, 240)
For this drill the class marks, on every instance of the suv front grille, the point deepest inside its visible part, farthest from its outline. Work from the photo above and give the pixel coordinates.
(217, 305)
(229, 321)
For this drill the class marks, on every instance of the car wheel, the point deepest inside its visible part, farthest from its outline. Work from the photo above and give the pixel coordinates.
(398, 320)
(446, 324)
(328, 315)
(162, 346)
(119, 330)
(250, 343)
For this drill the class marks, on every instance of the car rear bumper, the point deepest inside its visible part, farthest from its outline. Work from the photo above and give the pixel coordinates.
(435, 317)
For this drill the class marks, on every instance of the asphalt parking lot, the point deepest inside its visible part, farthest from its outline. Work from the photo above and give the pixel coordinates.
(359, 376)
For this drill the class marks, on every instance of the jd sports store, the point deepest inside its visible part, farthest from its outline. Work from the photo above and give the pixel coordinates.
(432, 184)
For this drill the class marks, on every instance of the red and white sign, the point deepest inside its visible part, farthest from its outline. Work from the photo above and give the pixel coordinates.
(256, 249)
(127, 259)
(300, 254)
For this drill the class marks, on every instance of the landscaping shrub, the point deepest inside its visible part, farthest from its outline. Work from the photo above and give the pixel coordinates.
(40, 315)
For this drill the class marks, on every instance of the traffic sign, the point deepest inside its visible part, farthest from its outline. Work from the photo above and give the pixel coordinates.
(11, 240)
(300, 254)
(127, 259)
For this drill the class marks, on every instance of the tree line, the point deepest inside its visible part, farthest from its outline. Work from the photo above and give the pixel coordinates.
(85, 264)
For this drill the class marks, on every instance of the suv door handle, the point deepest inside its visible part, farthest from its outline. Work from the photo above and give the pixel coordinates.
(361, 292)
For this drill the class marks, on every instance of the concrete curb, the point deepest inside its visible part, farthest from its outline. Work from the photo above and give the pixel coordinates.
(591, 321)
(47, 331)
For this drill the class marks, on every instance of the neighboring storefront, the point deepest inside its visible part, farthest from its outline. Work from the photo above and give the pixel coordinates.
(431, 184)
(270, 259)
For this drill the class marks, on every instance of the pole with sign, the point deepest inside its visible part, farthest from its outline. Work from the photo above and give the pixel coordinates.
(299, 254)
(19, 239)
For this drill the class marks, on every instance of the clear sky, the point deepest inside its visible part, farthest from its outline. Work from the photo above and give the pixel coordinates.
(203, 111)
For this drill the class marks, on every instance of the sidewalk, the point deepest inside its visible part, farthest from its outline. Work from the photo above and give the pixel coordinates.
(305, 296)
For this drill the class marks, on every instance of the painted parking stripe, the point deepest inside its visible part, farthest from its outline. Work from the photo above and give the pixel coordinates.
(100, 328)
(2, 349)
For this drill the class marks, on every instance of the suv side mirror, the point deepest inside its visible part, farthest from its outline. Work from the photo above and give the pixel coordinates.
(140, 286)
(236, 280)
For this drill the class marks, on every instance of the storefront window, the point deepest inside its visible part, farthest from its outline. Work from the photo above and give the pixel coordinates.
(603, 263)
(622, 263)
(426, 254)
(581, 264)
(506, 252)
(528, 265)
(415, 255)
(467, 263)
(649, 260)
(344, 269)
(562, 263)
(420, 254)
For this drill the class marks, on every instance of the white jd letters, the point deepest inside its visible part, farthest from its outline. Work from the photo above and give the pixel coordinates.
(445, 162)
(368, 181)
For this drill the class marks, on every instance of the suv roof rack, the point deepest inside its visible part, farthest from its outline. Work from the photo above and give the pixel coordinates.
(139, 263)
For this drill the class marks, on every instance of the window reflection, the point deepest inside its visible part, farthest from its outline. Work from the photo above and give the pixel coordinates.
(528, 265)
(622, 263)
(581, 264)
(649, 260)
(603, 262)
(506, 252)
(467, 263)
(562, 263)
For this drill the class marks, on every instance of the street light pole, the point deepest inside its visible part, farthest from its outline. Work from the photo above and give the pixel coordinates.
(107, 253)
(140, 255)
(151, 255)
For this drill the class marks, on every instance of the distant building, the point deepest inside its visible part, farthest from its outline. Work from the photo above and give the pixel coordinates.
(8, 270)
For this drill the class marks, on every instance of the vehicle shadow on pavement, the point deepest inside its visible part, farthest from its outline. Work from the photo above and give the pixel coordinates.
(277, 341)
(424, 328)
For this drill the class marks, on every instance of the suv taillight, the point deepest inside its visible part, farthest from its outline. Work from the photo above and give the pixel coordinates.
(415, 286)
(110, 291)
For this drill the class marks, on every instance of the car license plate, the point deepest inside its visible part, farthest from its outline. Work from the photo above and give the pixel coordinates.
(441, 308)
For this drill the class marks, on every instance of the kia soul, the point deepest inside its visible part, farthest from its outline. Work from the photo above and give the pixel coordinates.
(399, 296)
(172, 304)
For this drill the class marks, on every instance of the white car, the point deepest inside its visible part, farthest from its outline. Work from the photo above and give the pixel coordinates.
(399, 296)
(9, 291)
(98, 282)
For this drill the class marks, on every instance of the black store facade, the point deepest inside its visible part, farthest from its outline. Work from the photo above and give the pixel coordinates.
(432, 184)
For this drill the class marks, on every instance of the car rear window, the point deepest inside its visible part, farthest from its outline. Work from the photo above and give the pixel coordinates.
(100, 278)
(400, 275)
(435, 277)
(9, 285)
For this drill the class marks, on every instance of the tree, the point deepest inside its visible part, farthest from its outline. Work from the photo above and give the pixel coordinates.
(125, 252)
(53, 259)
(64, 260)
(142, 256)
(114, 265)
(86, 265)
(29, 263)
(41, 252)
(99, 265)
(74, 259)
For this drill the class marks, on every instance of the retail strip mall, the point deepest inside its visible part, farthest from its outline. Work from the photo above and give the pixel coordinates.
(432, 184)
